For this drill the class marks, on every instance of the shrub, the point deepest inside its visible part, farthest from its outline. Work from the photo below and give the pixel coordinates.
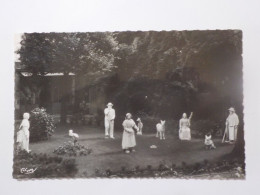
(72, 150)
(149, 124)
(41, 125)
(201, 127)
(223, 169)
(45, 166)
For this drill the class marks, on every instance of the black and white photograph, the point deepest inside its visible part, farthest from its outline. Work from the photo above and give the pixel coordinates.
(129, 104)
(129, 97)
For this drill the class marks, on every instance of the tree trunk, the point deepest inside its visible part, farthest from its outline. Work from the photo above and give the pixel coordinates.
(64, 98)
(239, 150)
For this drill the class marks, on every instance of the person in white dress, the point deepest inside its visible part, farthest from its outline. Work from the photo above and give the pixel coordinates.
(23, 134)
(109, 121)
(128, 140)
(184, 124)
(232, 123)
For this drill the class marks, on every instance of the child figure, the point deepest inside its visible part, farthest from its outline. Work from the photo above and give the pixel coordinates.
(140, 126)
(208, 142)
(23, 134)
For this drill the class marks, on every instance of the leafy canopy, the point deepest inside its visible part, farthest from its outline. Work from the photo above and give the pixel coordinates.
(43, 53)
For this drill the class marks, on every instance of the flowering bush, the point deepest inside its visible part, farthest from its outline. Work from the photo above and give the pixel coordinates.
(41, 125)
(72, 149)
(32, 165)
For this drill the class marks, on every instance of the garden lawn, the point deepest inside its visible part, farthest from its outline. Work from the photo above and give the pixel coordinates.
(107, 153)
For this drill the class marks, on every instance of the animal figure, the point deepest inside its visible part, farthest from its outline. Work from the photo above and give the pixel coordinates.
(74, 136)
(160, 127)
(209, 144)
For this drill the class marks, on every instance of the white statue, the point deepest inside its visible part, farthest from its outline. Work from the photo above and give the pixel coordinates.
(109, 121)
(160, 130)
(23, 134)
(232, 123)
(128, 140)
(74, 136)
(184, 131)
(140, 126)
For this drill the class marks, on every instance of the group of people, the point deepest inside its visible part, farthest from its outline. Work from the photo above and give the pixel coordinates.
(128, 140)
(129, 127)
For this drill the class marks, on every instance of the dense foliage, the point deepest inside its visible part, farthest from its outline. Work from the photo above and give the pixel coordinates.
(44, 166)
(43, 53)
(200, 128)
(182, 71)
(71, 149)
(168, 73)
(41, 125)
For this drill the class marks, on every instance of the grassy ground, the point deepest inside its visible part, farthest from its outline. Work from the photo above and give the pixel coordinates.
(107, 153)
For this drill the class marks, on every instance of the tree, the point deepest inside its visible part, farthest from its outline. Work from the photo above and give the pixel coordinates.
(239, 149)
(78, 53)
(206, 62)
(35, 55)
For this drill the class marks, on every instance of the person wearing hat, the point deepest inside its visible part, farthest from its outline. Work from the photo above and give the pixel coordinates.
(109, 121)
(231, 125)
(128, 140)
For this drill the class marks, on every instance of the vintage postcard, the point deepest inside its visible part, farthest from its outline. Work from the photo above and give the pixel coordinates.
(129, 104)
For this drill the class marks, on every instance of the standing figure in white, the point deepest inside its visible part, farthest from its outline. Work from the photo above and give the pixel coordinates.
(184, 131)
(160, 130)
(109, 121)
(128, 139)
(140, 126)
(232, 123)
(23, 134)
